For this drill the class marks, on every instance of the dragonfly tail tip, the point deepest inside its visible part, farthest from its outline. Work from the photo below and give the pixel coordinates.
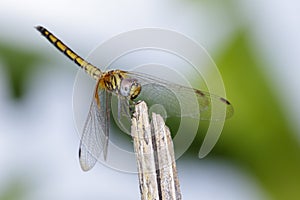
(39, 28)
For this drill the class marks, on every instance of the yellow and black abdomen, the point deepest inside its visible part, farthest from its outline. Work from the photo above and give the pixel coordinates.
(88, 67)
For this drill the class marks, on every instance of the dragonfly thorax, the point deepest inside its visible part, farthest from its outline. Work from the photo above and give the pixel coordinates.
(130, 87)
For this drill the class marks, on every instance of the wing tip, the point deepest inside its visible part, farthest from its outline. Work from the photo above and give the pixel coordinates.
(225, 101)
(83, 164)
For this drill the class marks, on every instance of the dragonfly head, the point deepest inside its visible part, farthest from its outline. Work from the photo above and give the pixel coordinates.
(130, 87)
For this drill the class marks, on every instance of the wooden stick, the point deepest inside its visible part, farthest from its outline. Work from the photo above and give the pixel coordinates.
(155, 156)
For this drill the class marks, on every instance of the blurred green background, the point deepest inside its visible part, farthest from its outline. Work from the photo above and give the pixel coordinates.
(253, 45)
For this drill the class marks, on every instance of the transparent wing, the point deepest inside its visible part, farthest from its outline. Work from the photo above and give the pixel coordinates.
(179, 100)
(94, 139)
(122, 111)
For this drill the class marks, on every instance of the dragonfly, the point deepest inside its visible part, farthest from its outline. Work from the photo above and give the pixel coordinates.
(129, 87)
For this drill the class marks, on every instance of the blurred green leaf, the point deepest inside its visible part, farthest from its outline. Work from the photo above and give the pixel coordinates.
(14, 190)
(19, 64)
(258, 137)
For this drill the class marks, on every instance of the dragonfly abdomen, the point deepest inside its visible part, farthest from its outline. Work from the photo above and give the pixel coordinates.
(88, 67)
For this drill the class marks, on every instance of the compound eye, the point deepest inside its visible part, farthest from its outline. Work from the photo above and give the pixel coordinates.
(135, 90)
(126, 87)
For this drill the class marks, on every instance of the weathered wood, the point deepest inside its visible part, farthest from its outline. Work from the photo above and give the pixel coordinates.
(141, 134)
(155, 156)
